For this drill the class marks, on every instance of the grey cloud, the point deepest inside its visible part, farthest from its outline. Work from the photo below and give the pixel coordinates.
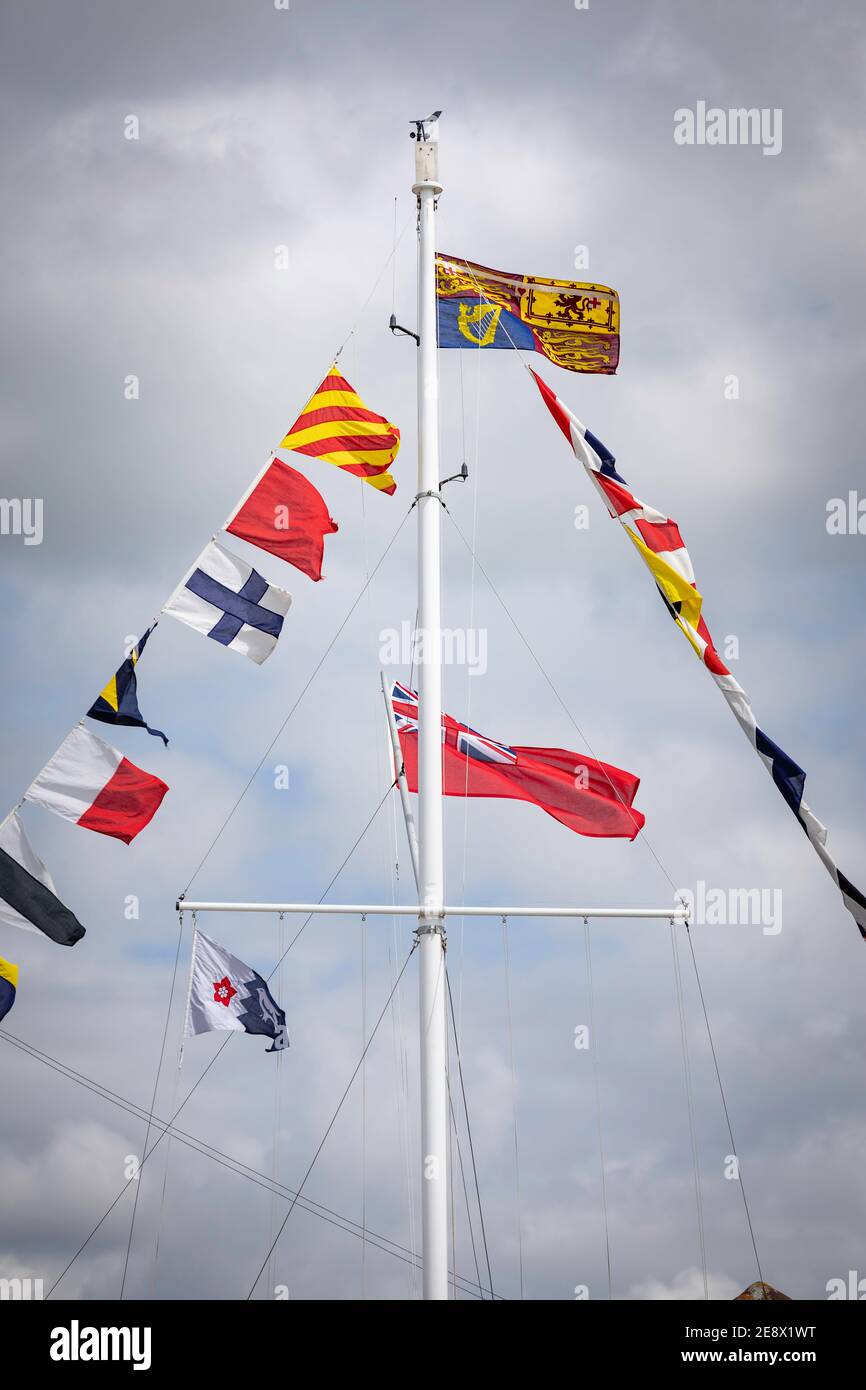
(156, 258)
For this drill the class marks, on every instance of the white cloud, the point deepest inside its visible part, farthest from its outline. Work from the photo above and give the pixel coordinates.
(157, 257)
(687, 1284)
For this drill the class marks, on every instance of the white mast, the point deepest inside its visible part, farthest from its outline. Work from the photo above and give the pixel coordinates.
(431, 885)
(427, 854)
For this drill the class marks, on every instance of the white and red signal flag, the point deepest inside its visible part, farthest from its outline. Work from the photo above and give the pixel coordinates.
(94, 785)
(661, 547)
(590, 797)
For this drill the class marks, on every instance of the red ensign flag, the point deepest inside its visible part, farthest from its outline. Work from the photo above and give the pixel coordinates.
(590, 797)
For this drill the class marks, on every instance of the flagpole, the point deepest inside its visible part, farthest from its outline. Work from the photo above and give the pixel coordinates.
(400, 779)
(431, 886)
(185, 1025)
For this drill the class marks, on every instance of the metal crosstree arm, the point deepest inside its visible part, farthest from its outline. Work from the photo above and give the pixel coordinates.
(675, 913)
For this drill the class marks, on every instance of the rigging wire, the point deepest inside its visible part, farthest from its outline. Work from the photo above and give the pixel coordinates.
(472, 595)
(376, 752)
(223, 1045)
(363, 1110)
(724, 1102)
(397, 1010)
(363, 923)
(501, 601)
(162, 1197)
(452, 1203)
(152, 1104)
(644, 837)
(401, 1071)
(400, 1077)
(482, 299)
(352, 331)
(394, 261)
(513, 1100)
(275, 1138)
(687, 1076)
(412, 651)
(468, 1128)
(316, 669)
(332, 1121)
(361, 312)
(466, 805)
(452, 1127)
(227, 1161)
(465, 1188)
(596, 1086)
(297, 1196)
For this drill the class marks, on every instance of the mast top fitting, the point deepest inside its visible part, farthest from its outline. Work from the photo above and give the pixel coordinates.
(426, 137)
(427, 130)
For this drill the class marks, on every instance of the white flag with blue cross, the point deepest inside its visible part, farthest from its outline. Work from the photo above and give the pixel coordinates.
(226, 599)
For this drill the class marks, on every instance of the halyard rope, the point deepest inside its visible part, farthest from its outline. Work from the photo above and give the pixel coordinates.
(234, 1165)
(332, 1121)
(319, 664)
(215, 1057)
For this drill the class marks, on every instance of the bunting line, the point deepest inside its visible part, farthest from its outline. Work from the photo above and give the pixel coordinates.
(657, 539)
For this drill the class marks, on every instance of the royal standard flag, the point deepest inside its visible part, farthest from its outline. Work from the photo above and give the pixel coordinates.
(336, 427)
(118, 702)
(8, 985)
(575, 325)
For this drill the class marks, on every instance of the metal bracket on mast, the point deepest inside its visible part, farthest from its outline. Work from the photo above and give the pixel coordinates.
(396, 328)
(462, 476)
(436, 928)
(431, 492)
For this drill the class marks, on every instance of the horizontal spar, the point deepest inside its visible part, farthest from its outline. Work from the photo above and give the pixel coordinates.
(665, 914)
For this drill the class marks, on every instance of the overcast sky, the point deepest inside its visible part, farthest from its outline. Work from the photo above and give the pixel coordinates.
(260, 128)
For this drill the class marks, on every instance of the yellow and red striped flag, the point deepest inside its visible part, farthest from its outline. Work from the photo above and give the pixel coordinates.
(337, 427)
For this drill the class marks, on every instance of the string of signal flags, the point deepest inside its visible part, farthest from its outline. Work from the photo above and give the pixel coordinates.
(92, 784)
(575, 326)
